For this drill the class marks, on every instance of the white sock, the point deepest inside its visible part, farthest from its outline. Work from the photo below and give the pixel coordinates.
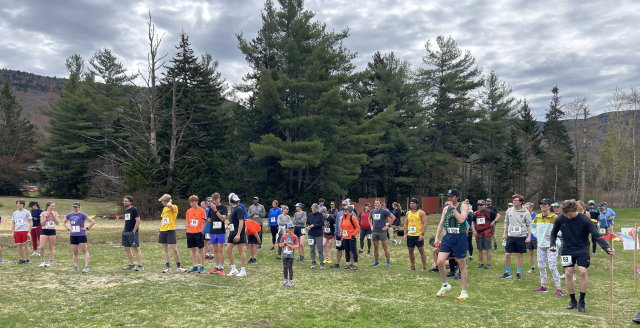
(233, 267)
(242, 269)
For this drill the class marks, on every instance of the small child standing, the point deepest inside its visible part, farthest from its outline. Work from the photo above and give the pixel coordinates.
(289, 244)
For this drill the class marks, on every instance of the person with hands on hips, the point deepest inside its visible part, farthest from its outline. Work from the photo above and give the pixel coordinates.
(78, 236)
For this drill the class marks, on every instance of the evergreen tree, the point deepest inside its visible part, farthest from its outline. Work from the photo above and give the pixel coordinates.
(17, 145)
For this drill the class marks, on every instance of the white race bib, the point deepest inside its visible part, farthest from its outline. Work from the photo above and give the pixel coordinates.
(20, 221)
(327, 230)
(566, 260)
(344, 233)
(127, 216)
(194, 222)
(311, 241)
(412, 229)
(480, 220)
(453, 230)
(603, 231)
(216, 225)
(338, 243)
(369, 236)
(303, 231)
(50, 224)
(165, 220)
(206, 236)
(273, 220)
(231, 228)
(75, 228)
(376, 216)
(287, 250)
(515, 230)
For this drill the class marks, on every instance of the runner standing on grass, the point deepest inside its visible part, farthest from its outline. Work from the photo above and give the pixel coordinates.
(78, 236)
(283, 220)
(489, 206)
(454, 217)
(365, 229)
(315, 224)
(167, 234)
(378, 219)
(274, 213)
(594, 214)
(576, 228)
(195, 237)
(237, 236)
(300, 221)
(532, 245)
(328, 237)
(349, 230)
(37, 227)
(252, 231)
(21, 227)
(130, 235)
(257, 213)
(49, 220)
(541, 227)
(288, 245)
(415, 225)
(607, 216)
(483, 225)
(397, 223)
(517, 233)
(208, 248)
(217, 216)
(339, 241)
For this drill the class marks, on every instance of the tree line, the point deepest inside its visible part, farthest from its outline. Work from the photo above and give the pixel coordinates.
(312, 126)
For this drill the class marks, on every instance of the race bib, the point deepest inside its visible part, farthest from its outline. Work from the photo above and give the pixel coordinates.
(303, 231)
(75, 228)
(216, 225)
(480, 220)
(206, 236)
(453, 230)
(344, 233)
(566, 260)
(231, 228)
(165, 220)
(127, 216)
(311, 241)
(338, 243)
(369, 236)
(327, 230)
(287, 250)
(194, 222)
(20, 221)
(412, 229)
(603, 231)
(273, 220)
(50, 224)
(376, 216)
(515, 230)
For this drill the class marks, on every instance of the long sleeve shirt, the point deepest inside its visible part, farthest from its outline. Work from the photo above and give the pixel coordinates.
(261, 213)
(607, 217)
(575, 234)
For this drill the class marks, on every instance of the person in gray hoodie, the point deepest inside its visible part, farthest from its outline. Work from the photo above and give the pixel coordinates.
(257, 213)
(517, 232)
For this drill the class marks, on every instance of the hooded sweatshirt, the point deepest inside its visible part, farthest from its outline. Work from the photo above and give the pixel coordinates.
(541, 228)
(517, 222)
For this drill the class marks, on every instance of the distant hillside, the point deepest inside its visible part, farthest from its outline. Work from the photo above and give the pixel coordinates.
(33, 92)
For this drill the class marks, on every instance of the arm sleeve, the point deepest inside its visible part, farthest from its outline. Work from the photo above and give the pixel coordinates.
(613, 214)
(554, 233)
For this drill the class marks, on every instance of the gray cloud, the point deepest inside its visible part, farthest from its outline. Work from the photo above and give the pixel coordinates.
(586, 48)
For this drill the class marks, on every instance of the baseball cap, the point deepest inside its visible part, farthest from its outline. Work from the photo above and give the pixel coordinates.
(414, 200)
(481, 202)
(545, 201)
(300, 205)
(76, 204)
(290, 225)
(367, 204)
(591, 202)
(31, 203)
(453, 192)
(233, 197)
(489, 200)
(510, 204)
(346, 202)
(602, 204)
(348, 208)
(256, 197)
(557, 204)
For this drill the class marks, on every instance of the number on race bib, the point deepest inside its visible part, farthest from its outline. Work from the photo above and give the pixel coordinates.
(413, 229)
(369, 236)
(75, 228)
(311, 241)
(206, 236)
(338, 243)
(376, 216)
(515, 230)
(50, 224)
(344, 233)
(303, 231)
(603, 231)
(566, 260)
(480, 220)
(165, 220)
(217, 225)
(287, 250)
(194, 222)
(327, 230)
(231, 228)
(127, 216)
(273, 220)
(453, 230)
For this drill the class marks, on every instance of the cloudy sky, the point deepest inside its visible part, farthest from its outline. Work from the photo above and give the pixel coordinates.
(586, 48)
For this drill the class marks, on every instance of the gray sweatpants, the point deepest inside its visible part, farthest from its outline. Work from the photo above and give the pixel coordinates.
(544, 256)
(317, 244)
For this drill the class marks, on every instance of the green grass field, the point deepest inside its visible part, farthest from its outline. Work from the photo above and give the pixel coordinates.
(371, 297)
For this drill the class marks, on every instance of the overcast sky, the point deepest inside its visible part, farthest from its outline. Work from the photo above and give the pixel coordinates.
(586, 48)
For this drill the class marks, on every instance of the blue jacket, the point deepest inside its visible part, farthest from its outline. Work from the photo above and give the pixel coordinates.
(603, 218)
(273, 216)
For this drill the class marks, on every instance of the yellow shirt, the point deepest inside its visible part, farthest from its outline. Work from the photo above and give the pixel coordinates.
(415, 223)
(169, 218)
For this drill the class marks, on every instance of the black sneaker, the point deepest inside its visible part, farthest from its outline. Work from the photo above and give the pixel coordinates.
(581, 307)
(488, 266)
(272, 249)
(458, 277)
(480, 266)
(375, 264)
(434, 270)
(368, 252)
(335, 266)
(506, 276)
(572, 305)
(518, 276)
(470, 259)
(360, 252)
(21, 262)
(27, 261)
(313, 265)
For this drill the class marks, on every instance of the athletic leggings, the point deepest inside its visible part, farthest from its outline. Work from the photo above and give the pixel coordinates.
(274, 234)
(287, 269)
(363, 235)
(35, 236)
(593, 244)
(470, 241)
(544, 256)
(350, 246)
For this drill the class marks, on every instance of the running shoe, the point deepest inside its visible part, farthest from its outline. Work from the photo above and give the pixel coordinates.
(518, 276)
(313, 265)
(354, 267)
(594, 254)
(28, 261)
(434, 270)
(329, 261)
(233, 273)
(368, 252)
(50, 263)
(1, 261)
(443, 290)
(506, 276)
(201, 270)
(463, 296)
(558, 293)
(85, 270)
(325, 260)
(290, 283)
(488, 266)
(375, 264)
(480, 266)
(532, 270)
(242, 274)
(395, 242)
(458, 277)
(412, 268)
(140, 268)
(181, 269)
(35, 254)
(193, 269)
(572, 305)
(214, 271)
(388, 265)
(259, 248)
(129, 267)
(166, 270)
(359, 252)
(75, 268)
(450, 274)
(562, 276)
(284, 283)
(335, 266)
(470, 259)
(302, 259)
(221, 272)
(581, 307)
(272, 249)
(399, 241)
(321, 265)
(347, 267)
(540, 289)
(41, 264)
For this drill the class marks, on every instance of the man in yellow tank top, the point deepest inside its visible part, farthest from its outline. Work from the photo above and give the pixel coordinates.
(414, 228)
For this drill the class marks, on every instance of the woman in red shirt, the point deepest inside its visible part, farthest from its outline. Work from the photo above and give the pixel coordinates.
(365, 229)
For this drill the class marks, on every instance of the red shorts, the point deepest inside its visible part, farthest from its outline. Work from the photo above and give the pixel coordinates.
(20, 237)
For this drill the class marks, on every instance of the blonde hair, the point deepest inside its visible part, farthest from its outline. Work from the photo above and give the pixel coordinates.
(584, 208)
(396, 205)
(165, 198)
(324, 210)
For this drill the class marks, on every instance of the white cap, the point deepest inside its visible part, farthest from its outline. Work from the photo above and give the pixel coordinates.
(233, 197)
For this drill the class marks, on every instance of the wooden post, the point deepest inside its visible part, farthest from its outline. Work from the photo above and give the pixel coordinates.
(611, 281)
(635, 258)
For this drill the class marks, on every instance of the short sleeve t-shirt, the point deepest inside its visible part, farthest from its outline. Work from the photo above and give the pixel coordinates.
(217, 225)
(130, 216)
(35, 217)
(253, 227)
(21, 218)
(195, 220)
(77, 223)
(234, 220)
(379, 219)
(169, 216)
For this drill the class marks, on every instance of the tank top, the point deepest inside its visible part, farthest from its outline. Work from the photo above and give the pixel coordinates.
(415, 223)
(451, 221)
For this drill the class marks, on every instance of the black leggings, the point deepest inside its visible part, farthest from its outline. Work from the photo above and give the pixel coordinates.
(350, 246)
(593, 244)
(274, 234)
(287, 269)
(363, 235)
(470, 242)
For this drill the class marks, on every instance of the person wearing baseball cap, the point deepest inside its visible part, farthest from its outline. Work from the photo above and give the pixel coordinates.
(483, 227)
(300, 221)
(489, 206)
(594, 214)
(541, 227)
(415, 227)
(237, 236)
(607, 216)
(258, 213)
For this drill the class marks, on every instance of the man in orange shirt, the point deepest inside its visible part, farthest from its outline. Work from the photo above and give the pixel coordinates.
(253, 239)
(196, 220)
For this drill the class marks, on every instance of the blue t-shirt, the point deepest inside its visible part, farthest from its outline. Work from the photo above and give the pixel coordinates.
(206, 229)
(533, 216)
(379, 219)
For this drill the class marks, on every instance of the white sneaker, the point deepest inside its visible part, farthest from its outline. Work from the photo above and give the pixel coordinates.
(46, 265)
(242, 274)
(562, 276)
(233, 273)
(42, 265)
(35, 254)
